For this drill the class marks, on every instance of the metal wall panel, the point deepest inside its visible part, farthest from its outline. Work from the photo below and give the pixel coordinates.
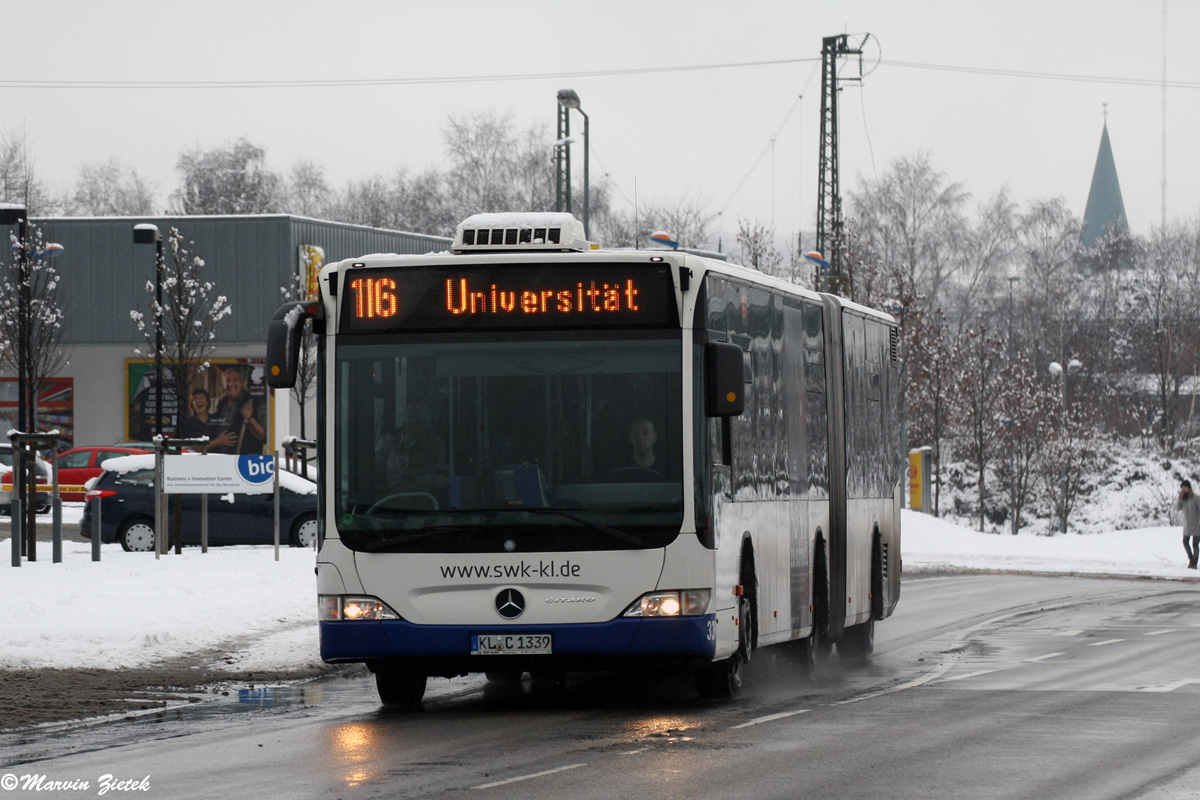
(247, 258)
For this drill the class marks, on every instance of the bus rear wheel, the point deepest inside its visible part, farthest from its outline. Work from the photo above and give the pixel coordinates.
(399, 688)
(858, 641)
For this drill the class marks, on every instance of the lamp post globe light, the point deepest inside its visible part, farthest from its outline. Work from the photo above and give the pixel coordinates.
(147, 233)
(1057, 370)
(567, 98)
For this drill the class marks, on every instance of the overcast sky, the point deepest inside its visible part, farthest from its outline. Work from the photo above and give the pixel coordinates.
(737, 139)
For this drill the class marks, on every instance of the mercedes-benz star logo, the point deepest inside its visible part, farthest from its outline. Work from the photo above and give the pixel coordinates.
(510, 604)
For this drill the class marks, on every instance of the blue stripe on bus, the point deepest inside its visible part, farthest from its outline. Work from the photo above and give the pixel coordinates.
(356, 641)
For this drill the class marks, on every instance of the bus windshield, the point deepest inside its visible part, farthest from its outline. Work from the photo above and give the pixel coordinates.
(509, 441)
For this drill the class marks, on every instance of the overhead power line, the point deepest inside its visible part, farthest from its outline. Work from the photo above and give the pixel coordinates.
(11, 83)
(337, 83)
(1048, 76)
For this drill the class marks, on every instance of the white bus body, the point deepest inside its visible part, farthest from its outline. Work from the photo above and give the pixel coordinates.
(474, 411)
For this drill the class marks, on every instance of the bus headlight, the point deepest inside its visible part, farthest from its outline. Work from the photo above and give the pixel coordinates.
(683, 603)
(340, 607)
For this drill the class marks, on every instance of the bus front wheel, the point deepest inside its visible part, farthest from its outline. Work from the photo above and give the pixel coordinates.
(399, 688)
(723, 679)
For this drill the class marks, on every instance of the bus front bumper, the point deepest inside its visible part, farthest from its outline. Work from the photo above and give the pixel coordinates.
(446, 649)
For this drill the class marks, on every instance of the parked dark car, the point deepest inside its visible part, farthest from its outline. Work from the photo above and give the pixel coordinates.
(126, 489)
(80, 464)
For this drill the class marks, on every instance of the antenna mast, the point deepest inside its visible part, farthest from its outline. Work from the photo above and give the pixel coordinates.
(829, 198)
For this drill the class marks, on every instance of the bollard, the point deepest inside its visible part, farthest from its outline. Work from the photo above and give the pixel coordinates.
(97, 531)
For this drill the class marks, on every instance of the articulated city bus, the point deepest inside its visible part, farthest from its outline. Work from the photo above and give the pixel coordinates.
(537, 456)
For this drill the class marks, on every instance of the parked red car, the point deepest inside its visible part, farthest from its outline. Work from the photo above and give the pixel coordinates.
(78, 465)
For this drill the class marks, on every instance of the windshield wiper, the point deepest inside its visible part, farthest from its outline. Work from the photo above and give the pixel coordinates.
(628, 538)
(414, 537)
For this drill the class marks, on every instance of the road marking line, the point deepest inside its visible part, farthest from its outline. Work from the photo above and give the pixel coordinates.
(1159, 633)
(494, 784)
(1106, 641)
(1068, 633)
(967, 675)
(635, 752)
(1169, 687)
(770, 718)
(1043, 658)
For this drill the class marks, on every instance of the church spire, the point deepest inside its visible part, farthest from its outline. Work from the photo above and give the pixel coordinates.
(1105, 208)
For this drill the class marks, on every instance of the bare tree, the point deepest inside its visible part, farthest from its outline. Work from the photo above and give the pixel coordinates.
(306, 191)
(533, 174)
(913, 220)
(110, 189)
(424, 204)
(1165, 323)
(229, 180)
(481, 148)
(19, 180)
(987, 255)
(757, 243)
(368, 202)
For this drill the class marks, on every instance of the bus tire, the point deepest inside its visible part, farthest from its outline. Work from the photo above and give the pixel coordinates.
(803, 653)
(819, 640)
(858, 641)
(721, 680)
(399, 688)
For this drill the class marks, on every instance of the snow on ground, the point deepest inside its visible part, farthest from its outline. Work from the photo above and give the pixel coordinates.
(130, 609)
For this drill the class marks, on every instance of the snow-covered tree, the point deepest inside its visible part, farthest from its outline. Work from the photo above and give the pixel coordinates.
(930, 381)
(1027, 408)
(226, 180)
(31, 300)
(977, 394)
(110, 189)
(189, 312)
(756, 241)
(1067, 462)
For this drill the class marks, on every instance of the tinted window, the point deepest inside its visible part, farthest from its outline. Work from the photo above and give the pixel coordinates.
(141, 477)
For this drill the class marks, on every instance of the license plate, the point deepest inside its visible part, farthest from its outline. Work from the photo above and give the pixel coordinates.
(519, 644)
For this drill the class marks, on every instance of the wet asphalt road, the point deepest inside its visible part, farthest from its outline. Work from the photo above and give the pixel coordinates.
(982, 686)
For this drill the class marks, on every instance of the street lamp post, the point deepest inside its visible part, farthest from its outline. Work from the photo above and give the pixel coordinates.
(1056, 369)
(567, 98)
(12, 214)
(147, 233)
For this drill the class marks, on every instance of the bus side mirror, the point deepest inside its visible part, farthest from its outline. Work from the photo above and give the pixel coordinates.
(725, 370)
(283, 340)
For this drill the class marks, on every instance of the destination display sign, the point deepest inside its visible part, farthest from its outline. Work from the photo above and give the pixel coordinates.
(507, 296)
